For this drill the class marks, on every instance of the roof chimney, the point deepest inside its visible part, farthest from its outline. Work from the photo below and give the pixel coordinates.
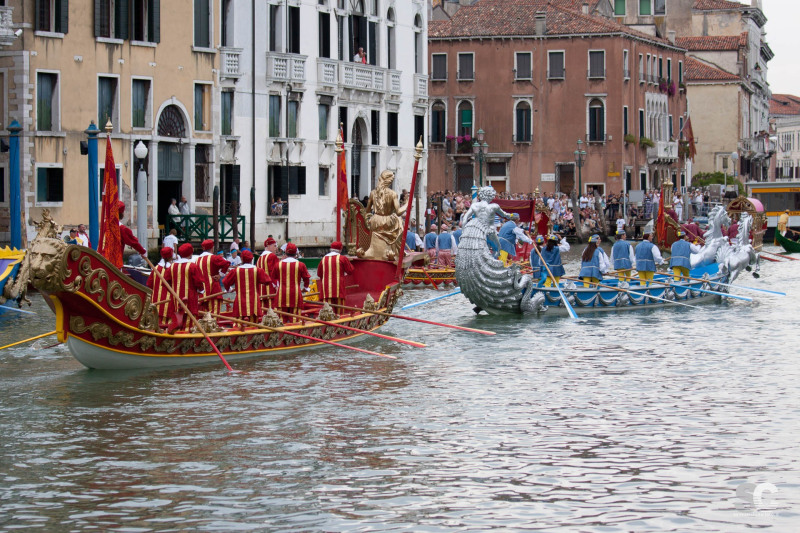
(540, 24)
(585, 8)
(671, 36)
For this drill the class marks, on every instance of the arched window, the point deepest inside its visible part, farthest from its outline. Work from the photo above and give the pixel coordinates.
(418, 45)
(171, 123)
(464, 119)
(390, 39)
(597, 122)
(523, 123)
(438, 123)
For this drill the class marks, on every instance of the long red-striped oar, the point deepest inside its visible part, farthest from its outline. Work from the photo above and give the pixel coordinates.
(392, 315)
(780, 255)
(373, 333)
(200, 328)
(301, 335)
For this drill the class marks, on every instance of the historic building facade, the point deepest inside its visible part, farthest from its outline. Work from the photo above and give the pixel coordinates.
(536, 78)
(785, 117)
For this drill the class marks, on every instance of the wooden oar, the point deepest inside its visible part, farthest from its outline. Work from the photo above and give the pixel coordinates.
(200, 328)
(402, 317)
(425, 271)
(204, 298)
(423, 302)
(571, 311)
(27, 340)
(779, 255)
(366, 332)
(734, 286)
(611, 287)
(301, 335)
(666, 282)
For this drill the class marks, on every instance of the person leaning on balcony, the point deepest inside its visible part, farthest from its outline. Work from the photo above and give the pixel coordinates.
(361, 56)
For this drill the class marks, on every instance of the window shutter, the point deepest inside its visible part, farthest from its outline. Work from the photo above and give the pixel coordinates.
(98, 9)
(121, 12)
(284, 183)
(41, 184)
(63, 16)
(372, 47)
(154, 21)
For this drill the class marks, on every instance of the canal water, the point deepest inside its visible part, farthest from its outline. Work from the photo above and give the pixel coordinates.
(667, 420)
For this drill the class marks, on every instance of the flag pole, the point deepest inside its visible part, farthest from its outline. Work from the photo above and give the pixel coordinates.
(340, 154)
(417, 157)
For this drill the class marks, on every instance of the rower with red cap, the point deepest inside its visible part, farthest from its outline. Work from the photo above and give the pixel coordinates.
(268, 261)
(164, 305)
(212, 267)
(126, 235)
(291, 273)
(331, 271)
(248, 279)
(188, 282)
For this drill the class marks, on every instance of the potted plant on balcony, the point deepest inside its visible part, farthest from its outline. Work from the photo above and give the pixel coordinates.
(644, 142)
(662, 85)
(464, 144)
(671, 89)
(630, 138)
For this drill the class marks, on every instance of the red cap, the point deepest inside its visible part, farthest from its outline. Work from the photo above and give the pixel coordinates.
(336, 245)
(247, 256)
(207, 244)
(166, 253)
(291, 249)
(269, 242)
(120, 207)
(185, 250)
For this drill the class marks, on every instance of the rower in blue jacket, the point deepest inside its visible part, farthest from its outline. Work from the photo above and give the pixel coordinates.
(622, 257)
(680, 262)
(594, 262)
(537, 270)
(552, 257)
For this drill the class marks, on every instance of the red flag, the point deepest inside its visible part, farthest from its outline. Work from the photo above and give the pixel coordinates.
(687, 128)
(661, 221)
(341, 178)
(110, 241)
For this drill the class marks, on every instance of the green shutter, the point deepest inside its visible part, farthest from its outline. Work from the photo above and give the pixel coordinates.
(619, 7)
(62, 16)
(121, 17)
(98, 9)
(154, 21)
(466, 118)
(644, 7)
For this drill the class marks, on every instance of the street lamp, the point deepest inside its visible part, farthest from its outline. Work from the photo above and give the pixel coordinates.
(580, 159)
(734, 160)
(481, 149)
(140, 152)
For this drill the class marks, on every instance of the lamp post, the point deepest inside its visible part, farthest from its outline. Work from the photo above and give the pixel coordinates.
(580, 159)
(734, 160)
(140, 152)
(480, 149)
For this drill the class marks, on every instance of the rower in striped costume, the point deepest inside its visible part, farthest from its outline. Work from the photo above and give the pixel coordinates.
(268, 262)
(211, 267)
(163, 300)
(290, 274)
(248, 279)
(187, 281)
(331, 271)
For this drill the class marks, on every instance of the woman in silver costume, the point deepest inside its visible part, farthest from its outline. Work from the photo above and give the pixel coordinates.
(484, 211)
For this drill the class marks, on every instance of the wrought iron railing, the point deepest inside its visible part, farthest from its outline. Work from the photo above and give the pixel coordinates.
(196, 228)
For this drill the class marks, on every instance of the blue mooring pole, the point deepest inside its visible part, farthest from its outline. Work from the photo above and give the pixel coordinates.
(94, 187)
(15, 200)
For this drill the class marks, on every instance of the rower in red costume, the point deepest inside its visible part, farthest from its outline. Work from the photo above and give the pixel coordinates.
(248, 279)
(187, 281)
(268, 262)
(211, 267)
(290, 274)
(331, 271)
(161, 296)
(126, 235)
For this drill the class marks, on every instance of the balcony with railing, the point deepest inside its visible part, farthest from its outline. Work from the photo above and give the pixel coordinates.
(328, 73)
(364, 77)
(6, 30)
(420, 87)
(283, 67)
(229, 59)
(663, 152)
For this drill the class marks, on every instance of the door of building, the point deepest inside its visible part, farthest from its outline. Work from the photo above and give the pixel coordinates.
(170, 178)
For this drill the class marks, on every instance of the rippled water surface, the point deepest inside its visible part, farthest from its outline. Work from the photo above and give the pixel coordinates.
(630, 422)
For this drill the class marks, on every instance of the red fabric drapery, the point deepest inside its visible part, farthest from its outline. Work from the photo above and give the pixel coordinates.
(110, 244)
(524, 208)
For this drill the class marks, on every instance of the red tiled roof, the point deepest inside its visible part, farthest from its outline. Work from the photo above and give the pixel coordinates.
(710, 5)
(699, 71)
(784, 104)
(488, 18)
(710, 43)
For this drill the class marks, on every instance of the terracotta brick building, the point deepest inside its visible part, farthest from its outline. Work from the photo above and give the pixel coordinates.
(536, 77)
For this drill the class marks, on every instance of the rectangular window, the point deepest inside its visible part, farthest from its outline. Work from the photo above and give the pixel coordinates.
(274, 115)
(49, 185)
(2, 185)
(624, 120)
(619, 8)
(626, 69)
(680, 127)
(202, 176)
(439, 64)
(146, 20)
(659, 7)
(202, 94)
(523, 133)
(293, 107)
(107, 102)
(294, 30)
(465, 121)
(680, 71)
(323, 181)
(391, 129)
(555, 65)
(419, 130)
(376, 127)
(46, 101)
(641, 68)
(641, 123)
(645, 7)
(660, 67)
(226, 114)
(274, 27)
(324, 34)
(524, 69)
(671, 128)
(297, 180)
(437, 123)
(140, 96)
(496, 169)
(202, 24)
(51, 15)
(597, 64)
(466, 69)
(649, 69)
(324, 112)
(669, 69)
(596, 123)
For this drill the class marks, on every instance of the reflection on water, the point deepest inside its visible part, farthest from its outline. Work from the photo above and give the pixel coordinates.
(645, 421)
